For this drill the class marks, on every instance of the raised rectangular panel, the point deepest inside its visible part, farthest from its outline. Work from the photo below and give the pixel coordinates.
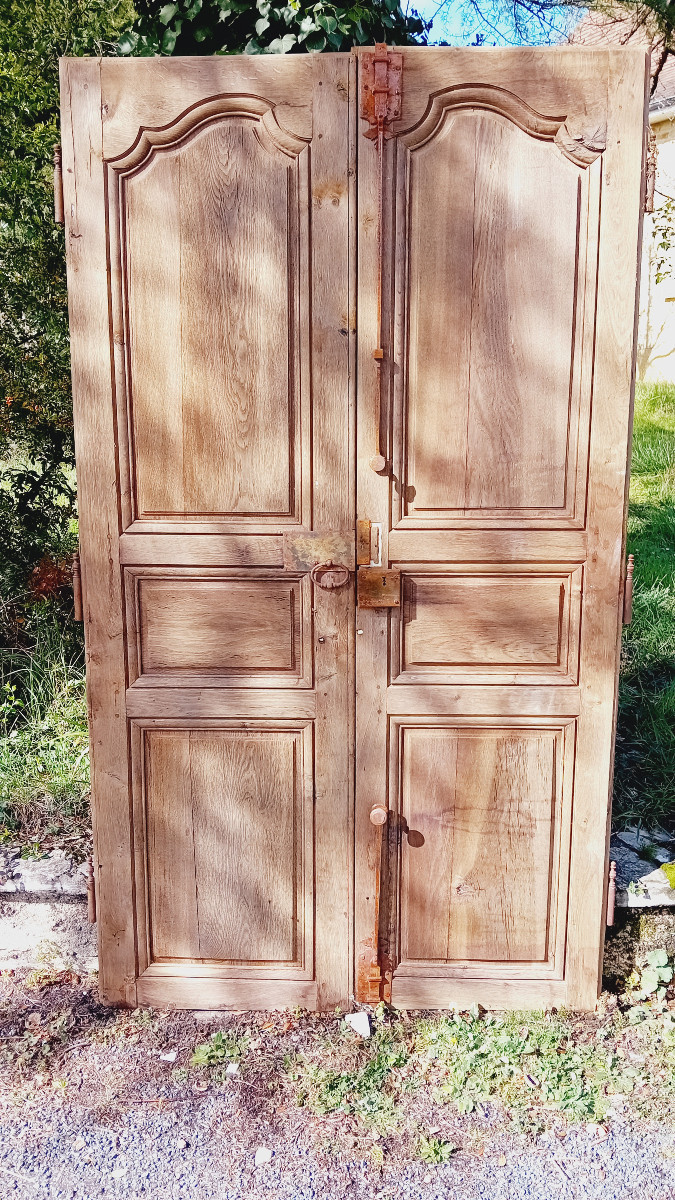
(497, 624)
(192, 629)
(210, 249)
(494, 427)
(228, 814)
(481, 856)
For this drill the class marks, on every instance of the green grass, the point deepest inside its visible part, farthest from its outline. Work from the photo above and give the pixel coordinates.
(644, 784)
(44, 746)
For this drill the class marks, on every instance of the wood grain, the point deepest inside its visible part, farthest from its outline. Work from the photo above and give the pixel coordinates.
(484, 802)
(232, 421)
(229, 845)
(227, 329)
(192, 627)
(483, 620)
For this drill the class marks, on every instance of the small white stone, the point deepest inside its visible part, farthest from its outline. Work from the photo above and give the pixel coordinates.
(170, 1056)
(262, 1155)
(360, 1023)
(232, 1069)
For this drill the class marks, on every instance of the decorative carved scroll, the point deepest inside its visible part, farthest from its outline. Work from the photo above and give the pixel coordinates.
(270, 133)
(580, 142)
(577, 138)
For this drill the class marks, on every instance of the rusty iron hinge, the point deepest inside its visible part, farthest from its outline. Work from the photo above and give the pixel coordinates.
(77, 589)
(59, 211)
(381, 84)
(628, 591)
(650, 172)
(381, 90)
(373, 982)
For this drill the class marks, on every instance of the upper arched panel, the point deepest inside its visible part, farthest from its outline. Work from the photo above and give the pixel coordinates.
(579, 139)
(501, 266)
(257, 111)
(212, 246)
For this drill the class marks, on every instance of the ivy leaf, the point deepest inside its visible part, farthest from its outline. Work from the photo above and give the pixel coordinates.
(316, 41)
(167, 13)
(282, 45)
(253, 47)
(262, 25)
(168, 42)
(127, 43)
(329, 24)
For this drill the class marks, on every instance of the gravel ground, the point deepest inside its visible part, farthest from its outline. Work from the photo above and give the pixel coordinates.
(115, 1109)
(192, 1151)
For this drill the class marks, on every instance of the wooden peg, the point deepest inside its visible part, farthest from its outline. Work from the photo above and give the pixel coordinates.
(59, 212)
(91, 893)
(611, 894)
(77, 589)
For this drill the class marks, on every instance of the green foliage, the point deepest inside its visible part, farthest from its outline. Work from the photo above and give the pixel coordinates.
(522, 1058)
(220, 1048)
(232, 26)
(44, 744)
(37, 490)
(663, 236)
(365, 1087)
(434, 1150)
(653, 979)
(529, 1063)
(645, 748)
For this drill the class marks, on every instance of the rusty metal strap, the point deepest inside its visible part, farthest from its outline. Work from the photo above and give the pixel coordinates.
(381, 83)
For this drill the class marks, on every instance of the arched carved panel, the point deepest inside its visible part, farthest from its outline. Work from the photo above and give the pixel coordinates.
(211, 316)
(497, 340)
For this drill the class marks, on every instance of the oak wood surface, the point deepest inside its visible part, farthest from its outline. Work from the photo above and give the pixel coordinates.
(501, 459)
(223, 265)
(221, 335)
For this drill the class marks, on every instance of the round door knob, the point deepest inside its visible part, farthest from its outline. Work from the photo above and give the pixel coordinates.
(329, 575)
(378, 815)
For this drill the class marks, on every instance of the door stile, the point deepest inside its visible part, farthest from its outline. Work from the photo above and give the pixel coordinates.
(333, 511)
(617, 307)
(95, 441)
(372, 865)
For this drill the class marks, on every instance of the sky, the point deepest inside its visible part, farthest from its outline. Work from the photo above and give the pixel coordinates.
(457, 22)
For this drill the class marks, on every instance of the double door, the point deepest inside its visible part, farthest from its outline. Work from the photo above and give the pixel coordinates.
(352, 342)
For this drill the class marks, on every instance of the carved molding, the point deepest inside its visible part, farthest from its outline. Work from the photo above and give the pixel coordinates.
(260, 112)
(580, 141)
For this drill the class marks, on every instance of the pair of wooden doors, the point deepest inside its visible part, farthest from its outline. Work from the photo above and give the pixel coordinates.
(241, 242)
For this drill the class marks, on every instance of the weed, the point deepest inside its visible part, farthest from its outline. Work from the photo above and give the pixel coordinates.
(522, 1059)
(220, 1048)
(434, 1150)
(367, 1090)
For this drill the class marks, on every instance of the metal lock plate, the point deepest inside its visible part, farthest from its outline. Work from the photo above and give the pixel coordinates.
(304, 550)
(378, 588)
